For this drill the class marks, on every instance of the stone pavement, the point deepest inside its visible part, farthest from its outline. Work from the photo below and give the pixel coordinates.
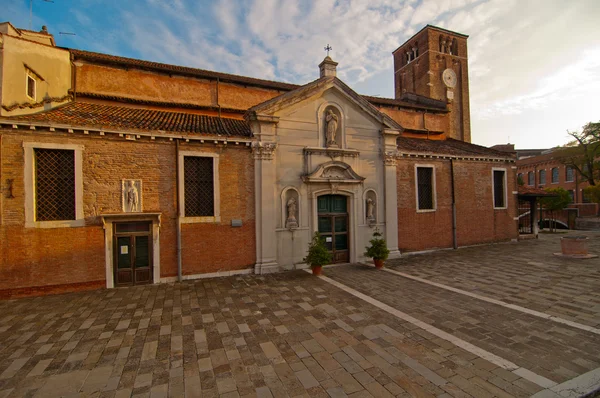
(292, 334)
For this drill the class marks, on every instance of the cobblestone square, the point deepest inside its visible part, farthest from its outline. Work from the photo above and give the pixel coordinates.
(519, 322)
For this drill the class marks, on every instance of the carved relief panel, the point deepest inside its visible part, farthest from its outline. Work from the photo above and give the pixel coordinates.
(131, 194)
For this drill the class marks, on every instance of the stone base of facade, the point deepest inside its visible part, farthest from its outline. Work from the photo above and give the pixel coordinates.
(266, 268)
(394, 254)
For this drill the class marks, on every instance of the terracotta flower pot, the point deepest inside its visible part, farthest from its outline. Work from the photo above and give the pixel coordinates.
(317, 270)
(378, 263)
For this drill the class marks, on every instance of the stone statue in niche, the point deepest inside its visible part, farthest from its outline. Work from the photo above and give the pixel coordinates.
(131, 192)
(291, 221)
(331, 126)
(370, 211)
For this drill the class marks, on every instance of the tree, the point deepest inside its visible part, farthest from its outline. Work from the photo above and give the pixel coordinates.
(593, 192)
(558, 201)
(583, 153)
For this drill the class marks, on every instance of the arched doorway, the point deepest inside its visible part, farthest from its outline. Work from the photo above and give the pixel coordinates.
(332, 211)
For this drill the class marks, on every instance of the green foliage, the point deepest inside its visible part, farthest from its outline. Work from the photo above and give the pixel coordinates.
(317, 252)
(378, 249)
(583, 153)
(593, 192)
(558, 202)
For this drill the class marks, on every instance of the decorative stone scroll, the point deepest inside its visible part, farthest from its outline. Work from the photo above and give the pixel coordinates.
(334, 172)
(131, 193)
(263, 150)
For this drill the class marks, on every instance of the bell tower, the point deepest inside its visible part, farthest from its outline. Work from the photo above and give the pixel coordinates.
(434, 64)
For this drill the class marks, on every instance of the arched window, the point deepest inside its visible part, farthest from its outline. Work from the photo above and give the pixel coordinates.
(555, 175)
(530, 178)
(542, 177)
(454, 47)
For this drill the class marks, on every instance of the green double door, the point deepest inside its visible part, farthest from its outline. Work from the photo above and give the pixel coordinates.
(333, 225)
(133, 248)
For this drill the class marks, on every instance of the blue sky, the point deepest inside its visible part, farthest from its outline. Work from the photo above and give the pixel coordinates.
(534, 64)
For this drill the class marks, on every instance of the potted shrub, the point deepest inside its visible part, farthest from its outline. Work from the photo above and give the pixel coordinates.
(317, 256)
(378, 250)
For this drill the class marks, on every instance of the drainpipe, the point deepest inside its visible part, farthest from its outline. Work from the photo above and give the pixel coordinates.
(454, 239)
(218, 105)
(73, 78)
(179, 265)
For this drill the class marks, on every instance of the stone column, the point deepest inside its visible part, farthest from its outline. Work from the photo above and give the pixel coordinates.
(263, 151)
(390, 155)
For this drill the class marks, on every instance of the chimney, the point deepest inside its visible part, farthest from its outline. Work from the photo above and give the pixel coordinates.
(327, 67)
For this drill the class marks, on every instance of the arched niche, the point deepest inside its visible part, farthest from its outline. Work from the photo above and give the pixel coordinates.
(370, 207)
(337, 110)
(290, 201)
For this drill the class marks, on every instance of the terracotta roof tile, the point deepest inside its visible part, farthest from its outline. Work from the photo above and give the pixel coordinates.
(532, 191)
(183, 70)
(448, 147)
(116, 117)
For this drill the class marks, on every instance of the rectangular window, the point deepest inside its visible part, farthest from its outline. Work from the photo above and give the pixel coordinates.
(30, 87)
(585, 197)
(530, 178)
(542, 177)
(54, 184)
(572, 195)
(499, 189)
(425, 188)
(555, 175)
(199, 194)
(569, 174)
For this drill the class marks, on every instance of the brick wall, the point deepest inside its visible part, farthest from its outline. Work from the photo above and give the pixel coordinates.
(477, 220)
(74, 257)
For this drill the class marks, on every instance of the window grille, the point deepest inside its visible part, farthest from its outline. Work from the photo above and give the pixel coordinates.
(569, 174)
(54, 184)
(530, 178)
(199, 186)
(499, 188)
(425, 187)
(542, 177)
(555, 175)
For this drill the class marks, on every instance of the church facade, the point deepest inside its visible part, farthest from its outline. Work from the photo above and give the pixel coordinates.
(125, 172)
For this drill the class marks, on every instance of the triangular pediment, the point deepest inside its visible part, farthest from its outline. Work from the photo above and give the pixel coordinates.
(317, 87)
(334, 171)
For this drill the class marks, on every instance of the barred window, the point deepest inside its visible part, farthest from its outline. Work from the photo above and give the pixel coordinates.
(499, 189)
(542, 177)
(54, 184)
(199, 186)
(569, 174)
(425, 189)
(555, 175)
(530, 178)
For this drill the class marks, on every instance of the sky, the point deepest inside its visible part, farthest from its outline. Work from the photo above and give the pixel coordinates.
(534, 65)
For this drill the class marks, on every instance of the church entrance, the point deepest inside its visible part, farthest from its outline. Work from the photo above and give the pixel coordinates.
(133, 248)
(333, 225)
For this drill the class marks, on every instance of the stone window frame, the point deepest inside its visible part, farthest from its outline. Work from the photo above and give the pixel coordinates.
(494, 169)
(216, 218)
(29, 180)
(433, 187)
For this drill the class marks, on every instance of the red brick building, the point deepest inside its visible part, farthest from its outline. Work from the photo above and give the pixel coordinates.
(141, 172)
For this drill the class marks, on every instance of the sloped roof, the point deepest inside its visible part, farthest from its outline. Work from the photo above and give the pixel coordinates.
(524, 190)
(183, 70)
(82, 114)
(324, 83)
(449, 146)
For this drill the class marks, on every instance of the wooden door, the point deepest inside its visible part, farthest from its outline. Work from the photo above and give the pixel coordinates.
(334, 226)
(133, 253)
